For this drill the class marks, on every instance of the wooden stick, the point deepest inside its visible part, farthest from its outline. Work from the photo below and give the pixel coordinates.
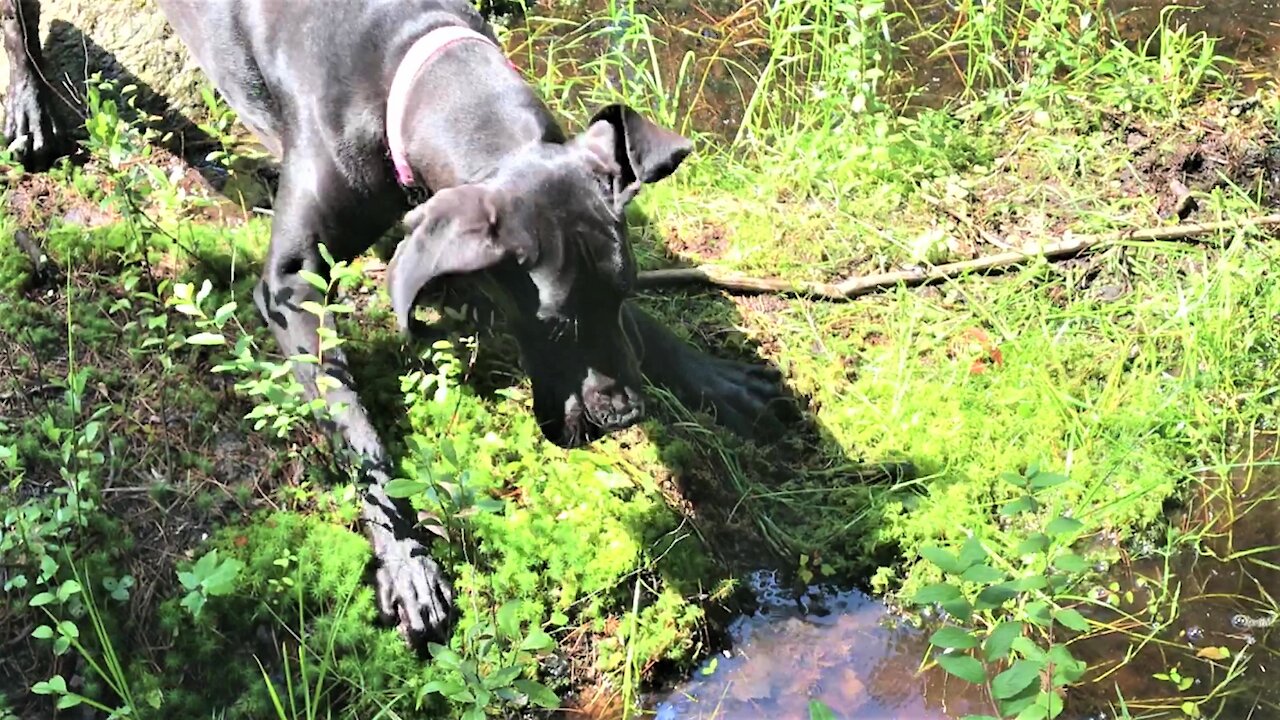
(856, 286)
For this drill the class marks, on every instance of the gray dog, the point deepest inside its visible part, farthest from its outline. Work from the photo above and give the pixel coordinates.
(361, 98)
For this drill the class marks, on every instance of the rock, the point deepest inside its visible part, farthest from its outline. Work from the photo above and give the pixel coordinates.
(128, 41)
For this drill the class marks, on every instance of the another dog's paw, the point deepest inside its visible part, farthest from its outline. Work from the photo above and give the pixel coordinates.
(28, 132)
(413, 591)
(748, 399)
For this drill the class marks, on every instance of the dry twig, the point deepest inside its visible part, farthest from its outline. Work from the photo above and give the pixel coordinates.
(856, 286)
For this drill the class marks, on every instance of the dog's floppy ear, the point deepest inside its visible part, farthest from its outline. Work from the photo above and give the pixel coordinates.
(632, 149)
(454, 233)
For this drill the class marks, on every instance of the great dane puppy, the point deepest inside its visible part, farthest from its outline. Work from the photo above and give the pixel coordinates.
(359, 98)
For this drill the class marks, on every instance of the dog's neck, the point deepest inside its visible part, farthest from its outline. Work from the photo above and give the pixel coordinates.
(425, 153)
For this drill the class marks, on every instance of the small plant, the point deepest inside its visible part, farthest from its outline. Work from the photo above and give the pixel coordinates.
(210, 576)
(1003, 619)
(479, 685)
(282, 402)
(118, 587)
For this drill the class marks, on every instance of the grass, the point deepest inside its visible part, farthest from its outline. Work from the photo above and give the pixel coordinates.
(1129, 371)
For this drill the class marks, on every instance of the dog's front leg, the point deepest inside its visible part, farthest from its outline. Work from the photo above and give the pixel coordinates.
(746, 398)
(412, 589)
(28, 125)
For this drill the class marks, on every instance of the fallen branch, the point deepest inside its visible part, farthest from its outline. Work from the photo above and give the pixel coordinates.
(856, 286)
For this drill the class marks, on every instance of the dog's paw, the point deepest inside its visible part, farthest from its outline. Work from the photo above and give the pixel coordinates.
(28, 131)
(750, 400)
(413, 591)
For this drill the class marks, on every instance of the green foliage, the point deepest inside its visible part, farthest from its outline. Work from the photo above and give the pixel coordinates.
(210, 576)
(1000, 595)
(827, 175)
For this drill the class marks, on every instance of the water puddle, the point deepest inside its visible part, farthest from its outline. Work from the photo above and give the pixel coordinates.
(842, 648)
(1194, 626)
(1209, 610)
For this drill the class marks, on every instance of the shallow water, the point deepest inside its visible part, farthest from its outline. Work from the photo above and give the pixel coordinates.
(1153, 613)
(840, 647)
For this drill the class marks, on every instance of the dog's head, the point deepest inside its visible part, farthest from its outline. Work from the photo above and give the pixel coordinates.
(547, 234)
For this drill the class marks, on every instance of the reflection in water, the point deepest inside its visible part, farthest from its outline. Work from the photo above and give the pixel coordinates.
(842, 648)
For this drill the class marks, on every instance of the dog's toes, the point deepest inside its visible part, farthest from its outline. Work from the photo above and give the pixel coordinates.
(413, 592)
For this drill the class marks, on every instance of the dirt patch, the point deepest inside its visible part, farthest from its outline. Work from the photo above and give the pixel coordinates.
(1206, 154)
(706, 241)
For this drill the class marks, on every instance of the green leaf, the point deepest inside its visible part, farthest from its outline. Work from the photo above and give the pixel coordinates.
(311, 307)
(1063, 525)
(448, 452)
(1027, 648)
(1014, 479)
(55, 685)
(983, 574)
(1032, 711)
(1033, 545)
(435, 686)
(964, 667)
(538, 640)
(194, 603)
(69, 629)
(937, 593)
(509, 618)
(445, 657)
(41, 599)
(1016, 679)
(994, 596)
(1038, 612)
(818, 710)
(1044, 481)
(1050, 703)
(1000, 641)
(44, 632)
(206, 338)
(1071, 619)
(538, 694)
(1021, 505)
(69, 700)
(403, 488)
(1030, 582)
(953, 638)
(972, 553)
(959, 608)
(945, 561)
(1071, 563)
(1066, 669)
(314, 280)
(221, 581)
(503, 677)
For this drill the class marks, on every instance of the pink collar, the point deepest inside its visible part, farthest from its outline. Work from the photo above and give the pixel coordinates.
(422, 52)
